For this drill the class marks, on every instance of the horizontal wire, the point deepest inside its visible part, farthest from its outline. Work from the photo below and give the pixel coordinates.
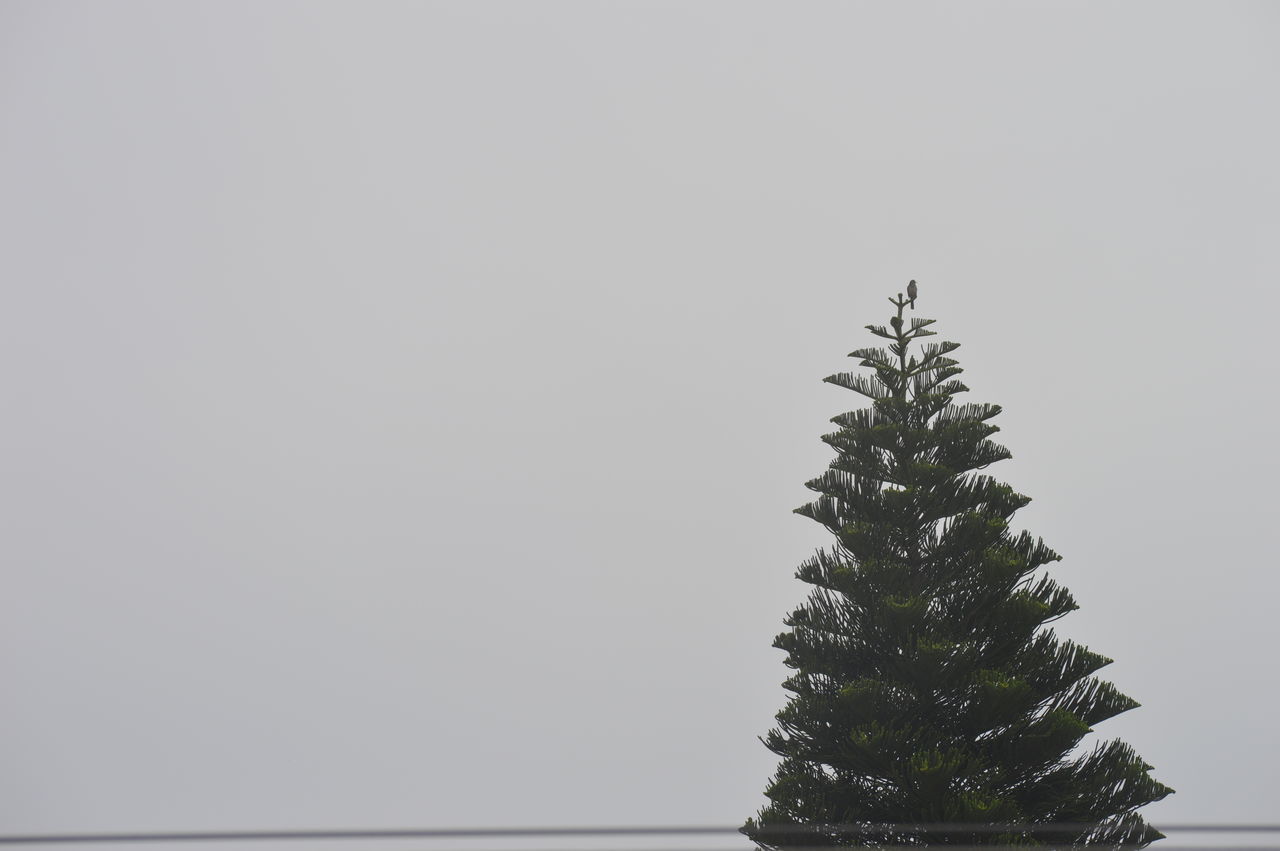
(915, 847)
(918, 847)
(851, 830)
(434, 847)
(878, 847)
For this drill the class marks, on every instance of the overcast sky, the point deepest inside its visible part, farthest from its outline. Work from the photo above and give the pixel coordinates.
(404, 402)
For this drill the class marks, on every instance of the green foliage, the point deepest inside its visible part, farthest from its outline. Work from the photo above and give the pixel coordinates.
(928, 686)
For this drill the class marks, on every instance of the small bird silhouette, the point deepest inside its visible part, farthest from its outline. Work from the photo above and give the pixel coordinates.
(912, 292)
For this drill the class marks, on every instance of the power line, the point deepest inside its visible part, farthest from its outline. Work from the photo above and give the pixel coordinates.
(392, 833)
(534, 832)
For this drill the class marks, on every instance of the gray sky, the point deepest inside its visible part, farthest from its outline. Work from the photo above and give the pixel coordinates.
(405, 402)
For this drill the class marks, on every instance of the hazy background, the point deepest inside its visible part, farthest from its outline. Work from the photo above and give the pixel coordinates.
(404, 402)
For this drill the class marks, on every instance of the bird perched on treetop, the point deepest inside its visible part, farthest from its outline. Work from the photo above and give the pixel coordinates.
(912, 292)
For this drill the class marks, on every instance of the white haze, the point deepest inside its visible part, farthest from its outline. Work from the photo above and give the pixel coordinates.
(405, 402)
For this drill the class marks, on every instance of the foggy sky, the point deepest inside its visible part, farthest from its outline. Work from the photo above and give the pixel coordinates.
(405, 402)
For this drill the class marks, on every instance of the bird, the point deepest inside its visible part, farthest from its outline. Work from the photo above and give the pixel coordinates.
(912, 292)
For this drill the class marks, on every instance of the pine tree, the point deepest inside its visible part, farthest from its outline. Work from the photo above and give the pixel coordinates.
(928, 688)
